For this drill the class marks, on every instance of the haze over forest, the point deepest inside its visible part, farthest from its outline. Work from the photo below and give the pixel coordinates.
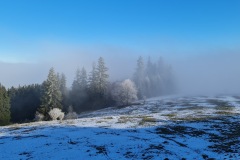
(199, 40)
(197, 74)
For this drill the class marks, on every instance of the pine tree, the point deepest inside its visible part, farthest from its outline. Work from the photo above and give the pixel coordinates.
(4, 106)
(102, 77)
(79, 90)
(93, 81)
(77, 80)
(64, 91)
(24, 102)
(139, 77)
(62, 84)
(80, 82)
(83, 79)
(52, 97)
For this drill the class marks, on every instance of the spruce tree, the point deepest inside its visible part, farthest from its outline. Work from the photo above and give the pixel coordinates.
(139, 77)
(77, 79)
(24, 101)
(102, 77)
(4, 106)
(64, 91)
(93, 81)
(79, 90)
(83, 79)
(52, 97)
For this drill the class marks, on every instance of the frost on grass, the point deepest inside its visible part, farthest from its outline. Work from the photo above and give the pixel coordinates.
(156, 130)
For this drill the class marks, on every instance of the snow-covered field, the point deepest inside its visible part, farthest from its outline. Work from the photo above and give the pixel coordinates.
(161, 128)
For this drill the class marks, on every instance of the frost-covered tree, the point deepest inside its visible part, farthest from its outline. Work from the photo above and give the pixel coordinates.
(77, 80)
(62, 84)
(102, 77)
(62, 80)
(79, 90)
(153, 80)
(80, 81)
(83, 79)
(93, 80)
(139, 76)
(125, 92)
(52, 97)
(4, 106)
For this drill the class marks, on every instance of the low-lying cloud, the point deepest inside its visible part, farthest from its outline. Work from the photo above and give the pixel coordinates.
(202, 73)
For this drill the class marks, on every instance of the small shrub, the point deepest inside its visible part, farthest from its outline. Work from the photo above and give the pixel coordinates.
(147, 119)
(56, 113)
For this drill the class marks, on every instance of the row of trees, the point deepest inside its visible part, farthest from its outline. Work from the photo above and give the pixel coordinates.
(89, 91)
(4, 106)
(153, 78)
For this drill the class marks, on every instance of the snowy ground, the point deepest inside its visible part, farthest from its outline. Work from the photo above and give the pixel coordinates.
(163, 128)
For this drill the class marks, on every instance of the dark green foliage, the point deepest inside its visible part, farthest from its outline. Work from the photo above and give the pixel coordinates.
(4, 106)
(91, 93)
(24, 102)
(102, 77)
(52, 96)
(87, 93)
(62, 80)
(98, 86)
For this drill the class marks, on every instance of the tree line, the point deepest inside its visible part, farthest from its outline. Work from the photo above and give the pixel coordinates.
(89, 91)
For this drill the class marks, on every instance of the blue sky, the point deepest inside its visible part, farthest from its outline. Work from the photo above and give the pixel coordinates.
(199, 38)
(177, 27)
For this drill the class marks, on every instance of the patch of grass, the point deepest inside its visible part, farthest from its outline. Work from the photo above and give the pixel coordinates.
(192, 119)
(147, 119)
(170, 115)
(155, 111)
(191, 107)
(108, 118)
(224, 113)
(124, 119)
(224, 108)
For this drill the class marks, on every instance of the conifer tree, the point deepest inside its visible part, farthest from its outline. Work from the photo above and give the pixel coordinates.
(76, 81)
(83, 79)
(93, 81)
(4, 106)
(24, 101)
(102, 77)
(64, 91)
(52, 97)
(139, 77)
(79, 90)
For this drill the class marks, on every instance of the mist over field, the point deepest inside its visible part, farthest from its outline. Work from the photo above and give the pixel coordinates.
(208, 74)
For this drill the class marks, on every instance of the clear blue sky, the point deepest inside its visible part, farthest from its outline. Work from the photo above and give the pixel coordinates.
(182, 26)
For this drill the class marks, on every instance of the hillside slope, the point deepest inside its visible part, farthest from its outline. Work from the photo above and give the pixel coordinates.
(162, 128)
